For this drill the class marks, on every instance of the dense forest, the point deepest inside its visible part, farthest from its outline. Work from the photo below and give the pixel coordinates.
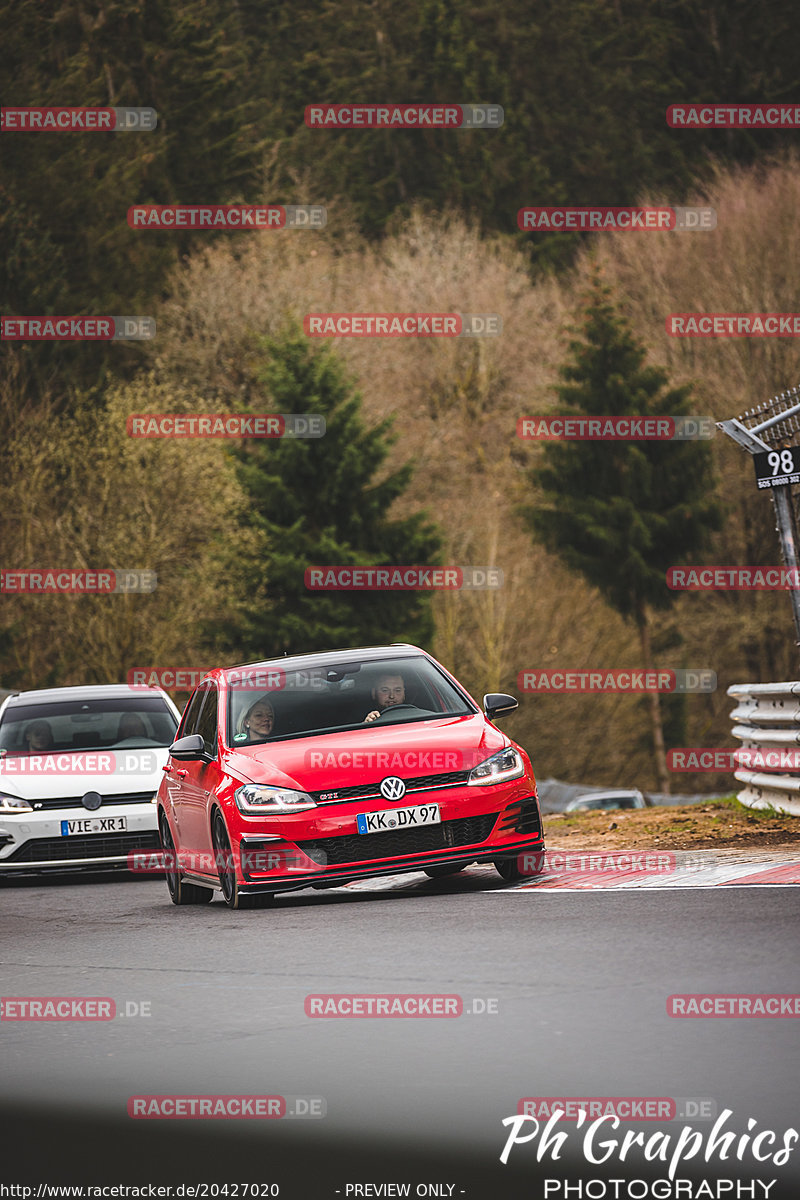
(421, 463)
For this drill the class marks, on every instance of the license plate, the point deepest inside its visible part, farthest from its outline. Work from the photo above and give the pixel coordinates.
(398, 818)
(94, 825)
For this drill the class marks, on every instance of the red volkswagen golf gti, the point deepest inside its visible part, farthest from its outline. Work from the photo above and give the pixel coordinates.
(317, 770)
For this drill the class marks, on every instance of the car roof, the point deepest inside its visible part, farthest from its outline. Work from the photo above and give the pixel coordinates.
(299, 662)
(100, 691)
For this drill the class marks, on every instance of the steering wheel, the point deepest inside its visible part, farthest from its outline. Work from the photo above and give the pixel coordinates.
(392, 708)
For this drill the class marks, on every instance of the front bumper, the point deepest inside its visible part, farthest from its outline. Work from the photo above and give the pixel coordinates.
(336, 878)
(33, 841)
(326, 850)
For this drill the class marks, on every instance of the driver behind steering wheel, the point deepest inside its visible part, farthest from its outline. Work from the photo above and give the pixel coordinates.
(389, 689)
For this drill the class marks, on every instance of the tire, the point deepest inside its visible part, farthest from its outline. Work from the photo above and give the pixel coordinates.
(179, 892)
(508, 869)
(232, 894)
(444, 869)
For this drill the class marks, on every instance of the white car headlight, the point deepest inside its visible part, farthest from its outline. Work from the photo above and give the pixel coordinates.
(256, 799)
(13, 804)
(507, 764)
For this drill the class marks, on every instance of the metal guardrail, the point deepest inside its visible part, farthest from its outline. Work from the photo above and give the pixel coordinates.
(767, 717)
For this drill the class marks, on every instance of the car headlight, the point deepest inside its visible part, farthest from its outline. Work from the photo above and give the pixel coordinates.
(254, 798)
(12, 804)
(507, 764)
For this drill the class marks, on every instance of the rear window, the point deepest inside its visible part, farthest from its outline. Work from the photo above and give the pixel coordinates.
(76, 725)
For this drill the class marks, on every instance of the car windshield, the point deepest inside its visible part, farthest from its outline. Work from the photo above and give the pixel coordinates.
(73, 725)
(342, 695)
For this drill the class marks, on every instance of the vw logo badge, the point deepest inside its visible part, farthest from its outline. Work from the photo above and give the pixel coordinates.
(91, 800)
(393, 788)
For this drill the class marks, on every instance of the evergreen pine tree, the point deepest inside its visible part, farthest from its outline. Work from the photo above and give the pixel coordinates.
(325, 501)
(621, 513)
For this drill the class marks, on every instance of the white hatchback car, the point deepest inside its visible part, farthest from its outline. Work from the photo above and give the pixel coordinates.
(79, 772)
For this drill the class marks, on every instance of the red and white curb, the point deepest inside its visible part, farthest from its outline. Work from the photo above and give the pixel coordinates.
(690, 869)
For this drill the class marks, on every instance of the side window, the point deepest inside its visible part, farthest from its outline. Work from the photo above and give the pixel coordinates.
(207, 725)
(189, 720)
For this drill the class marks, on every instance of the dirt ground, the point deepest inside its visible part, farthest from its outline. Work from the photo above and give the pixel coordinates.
(720, 824)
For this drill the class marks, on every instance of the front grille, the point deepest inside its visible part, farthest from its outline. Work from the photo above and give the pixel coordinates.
(75, 801)
(467, 831)
(108, 846)
(334, 795)
(522, 817)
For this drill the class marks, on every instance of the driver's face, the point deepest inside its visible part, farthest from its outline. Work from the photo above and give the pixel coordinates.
(389, 690)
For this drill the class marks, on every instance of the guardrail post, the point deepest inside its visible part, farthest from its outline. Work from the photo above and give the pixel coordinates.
(767, 721)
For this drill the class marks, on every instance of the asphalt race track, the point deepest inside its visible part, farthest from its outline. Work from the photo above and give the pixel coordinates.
(578, 980)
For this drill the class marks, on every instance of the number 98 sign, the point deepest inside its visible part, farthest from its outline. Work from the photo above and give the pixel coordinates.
(777, 468)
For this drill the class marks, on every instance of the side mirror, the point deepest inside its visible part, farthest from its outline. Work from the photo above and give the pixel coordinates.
(189, 749)
(498, 704)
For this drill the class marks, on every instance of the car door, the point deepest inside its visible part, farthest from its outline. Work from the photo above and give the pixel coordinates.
(201, 778)
(177, 772)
